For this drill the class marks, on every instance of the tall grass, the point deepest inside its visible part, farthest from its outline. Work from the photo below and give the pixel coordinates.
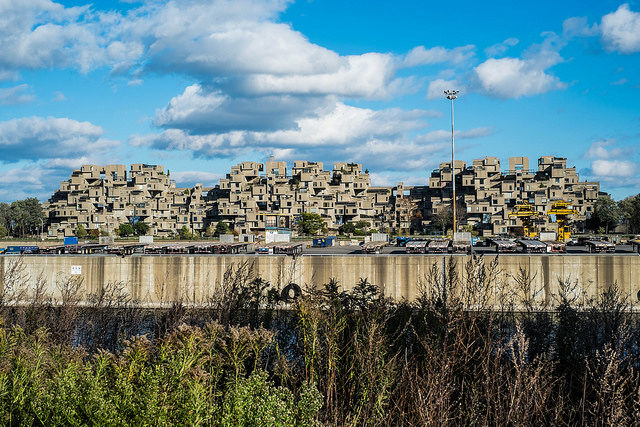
(332, 357)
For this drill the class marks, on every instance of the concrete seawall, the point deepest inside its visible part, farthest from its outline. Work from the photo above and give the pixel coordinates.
(158, 280)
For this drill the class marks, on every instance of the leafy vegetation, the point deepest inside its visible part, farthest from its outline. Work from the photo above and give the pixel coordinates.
(141, 228)
(22, 217)
(359, 228)
(125, 230)
(311, 223)
(221, 228)
(185, 234)
(332, 357)
(81, 232)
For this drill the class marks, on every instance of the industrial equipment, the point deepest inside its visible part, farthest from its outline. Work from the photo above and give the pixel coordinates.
(438, 246)
(416, 247)
(402, 241)
(600, 245)
(531, 246)
(527, 214)
(503, 245)
(562, 210)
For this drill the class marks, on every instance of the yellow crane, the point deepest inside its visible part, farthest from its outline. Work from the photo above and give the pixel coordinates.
(562, 210)
(527, 215)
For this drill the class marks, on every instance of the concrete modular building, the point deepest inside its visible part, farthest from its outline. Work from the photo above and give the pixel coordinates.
(256, 197)
(103, 197)
(486, 195)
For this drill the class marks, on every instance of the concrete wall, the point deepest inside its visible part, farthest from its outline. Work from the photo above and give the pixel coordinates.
(157, 280)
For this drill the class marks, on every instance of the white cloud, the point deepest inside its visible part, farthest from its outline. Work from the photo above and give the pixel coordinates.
(16, 95)
(421, 56)
(621, 30)
(517, 77)
(514, 78)
(190, 178)
(578, 26)
(31, 179)
(614, 168)
(605, 149)
(205, 110)
(336, 125)
(369, 75)
(345, 124)
(48, 138)
(500, 48)
(41, 34)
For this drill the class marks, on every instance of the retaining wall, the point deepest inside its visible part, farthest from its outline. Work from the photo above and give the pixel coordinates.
(158, 280)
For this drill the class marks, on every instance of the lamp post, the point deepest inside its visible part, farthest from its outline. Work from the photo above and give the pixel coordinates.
(451, 95)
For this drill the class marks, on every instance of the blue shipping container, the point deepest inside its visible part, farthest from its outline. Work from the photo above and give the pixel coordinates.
(323, 242)
(22, 249)
(70, 241)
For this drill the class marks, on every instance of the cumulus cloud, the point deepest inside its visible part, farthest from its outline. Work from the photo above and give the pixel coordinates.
(421, 56)
(621, 30)
(617, 166)
(606, 149)
(237, 42)
(191, 178)
(48, 138)
(29, 180)
(614, 168)
(335, 125)
(42, 34)
(16, 95)
(499, 49)
(200, 110)
(514, 78)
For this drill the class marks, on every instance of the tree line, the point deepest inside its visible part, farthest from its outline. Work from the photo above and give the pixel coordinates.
(22, 218)
(608, 214)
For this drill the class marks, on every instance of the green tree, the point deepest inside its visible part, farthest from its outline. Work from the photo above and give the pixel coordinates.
(310, 223)
(22, 217)
(362, 224)
(81, 232)
(605, 213)
(185, 233)
(141, 228)
(210, 231)
(347, 228)
(125, 230)
(5, 216)
(94, 233)
(222, 228)
(630, 213)
(3, 231)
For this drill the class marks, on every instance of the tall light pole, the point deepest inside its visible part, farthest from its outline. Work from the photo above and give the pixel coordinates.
(451, 95)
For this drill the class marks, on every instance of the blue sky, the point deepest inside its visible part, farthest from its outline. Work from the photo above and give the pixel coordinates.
(201, 85)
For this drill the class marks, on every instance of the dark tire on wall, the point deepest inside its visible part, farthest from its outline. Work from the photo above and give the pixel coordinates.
(291, 292)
